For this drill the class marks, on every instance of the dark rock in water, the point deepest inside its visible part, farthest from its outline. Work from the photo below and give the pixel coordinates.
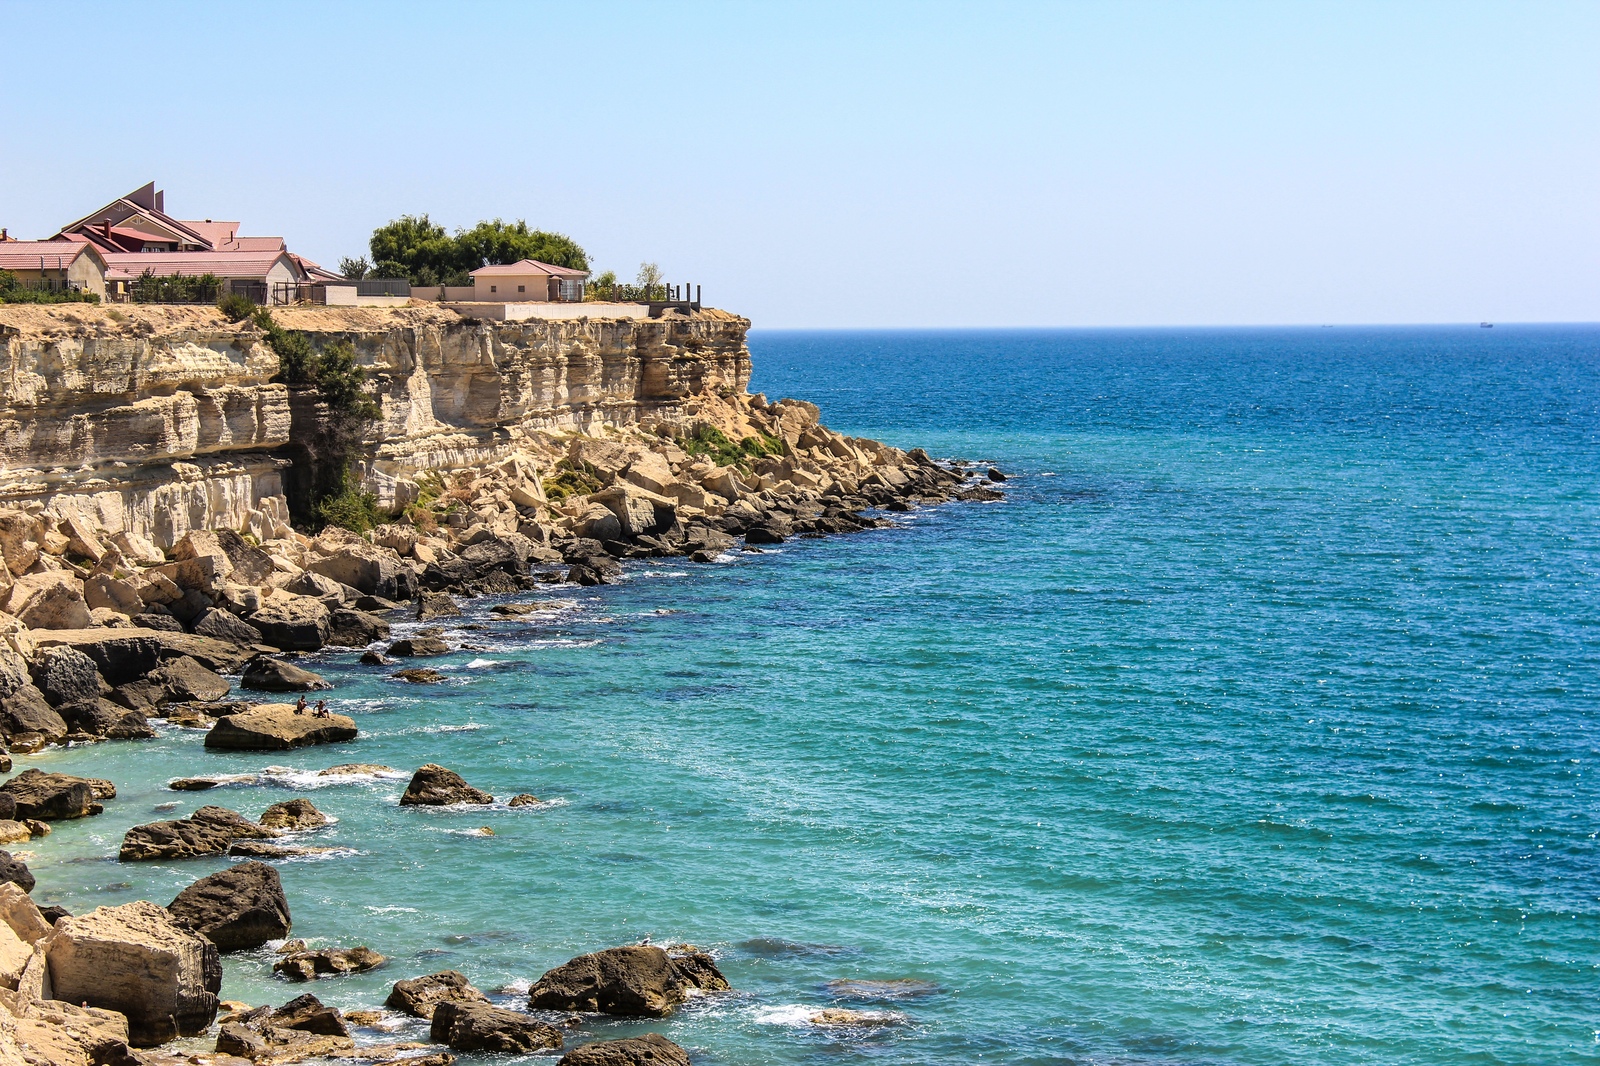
(15, 871)
(193, 784)
(27, 711)
(446, 572)
(509, 554)
(432, 605)
(163, 622)
(704, 555)
(267, 1043)
(418, 676)
(237, 909)
(523, 799)
(260, 849)
(636, 980)
(8, 807)
(307, 1014)
(375, 658)
(411, 646)
(995, 475)
(293, 814)
(495, 583)
(434, 786)
(183, 680)
(375, 603)
(56, 797)
(266, 674)
(356, 629)
(54, 913)
(102, 718)
(652, 1049)
(277, 727)
(583, 575)
(763, 535)
(980, 495)
(292, 623)
(481, 1027)
(420, 995)
(224, 625)
(66, 675)
(327, 962)
(901, 988)
(208, 831)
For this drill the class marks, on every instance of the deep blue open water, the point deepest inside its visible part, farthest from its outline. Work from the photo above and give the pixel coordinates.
(1256, 726)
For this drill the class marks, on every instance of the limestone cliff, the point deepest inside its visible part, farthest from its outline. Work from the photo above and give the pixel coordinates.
(159, 420)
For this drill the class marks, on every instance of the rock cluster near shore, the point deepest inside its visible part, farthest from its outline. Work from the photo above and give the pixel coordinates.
(103, 636)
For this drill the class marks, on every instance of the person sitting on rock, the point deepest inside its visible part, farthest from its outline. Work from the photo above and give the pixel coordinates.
(322, 709)
(300, 705)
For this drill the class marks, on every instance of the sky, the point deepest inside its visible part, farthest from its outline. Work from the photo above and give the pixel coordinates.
(850, 165)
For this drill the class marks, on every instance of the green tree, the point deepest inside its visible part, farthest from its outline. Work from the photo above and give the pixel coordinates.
(417, 248)
(500, 242)
(354, 269)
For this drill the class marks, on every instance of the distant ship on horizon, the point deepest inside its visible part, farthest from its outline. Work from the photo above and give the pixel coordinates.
(1486, 325)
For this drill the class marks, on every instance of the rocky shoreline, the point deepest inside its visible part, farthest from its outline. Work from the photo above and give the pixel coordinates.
(101, 631)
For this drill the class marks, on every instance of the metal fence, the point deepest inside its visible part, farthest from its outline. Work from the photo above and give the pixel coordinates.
(383, 287)
(684, 297)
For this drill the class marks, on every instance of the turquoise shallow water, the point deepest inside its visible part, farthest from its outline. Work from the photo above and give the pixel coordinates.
(1257, 726)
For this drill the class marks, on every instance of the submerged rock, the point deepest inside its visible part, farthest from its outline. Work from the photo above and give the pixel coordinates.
(417, 675)
(632, 980)
(327, 962)
(481, 1027)
(434, 786)
(418, 996)
(237, 909)
(652, 1049)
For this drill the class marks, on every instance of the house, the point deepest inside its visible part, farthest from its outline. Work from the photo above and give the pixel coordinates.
(65, 264)
(526, 282)
(135, 235)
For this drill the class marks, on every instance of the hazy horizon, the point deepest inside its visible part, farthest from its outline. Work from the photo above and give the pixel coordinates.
(895, 167)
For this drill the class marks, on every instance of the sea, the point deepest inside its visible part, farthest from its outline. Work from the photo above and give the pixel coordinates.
(1256, 725)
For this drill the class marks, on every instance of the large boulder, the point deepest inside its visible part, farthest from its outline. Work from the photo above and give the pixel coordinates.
(56, 797)
(355, 629)
(102, 718)
(184, 680)
(218, 624)
(412, 646)
(51, 600)
(293, 623)
(27, 711)
(66, 675)
(370, 569)
(434, 786)
(511, 553)
(419, 996)
(237, 909)
(481, 1027)
(276, 727)
(266, 674)
(113, 593)
(124, 655)
(431, 605)
(633, 980)
(21, 914)
(300, 1029)
(652, 1049)
(137, 959)
(208, 831)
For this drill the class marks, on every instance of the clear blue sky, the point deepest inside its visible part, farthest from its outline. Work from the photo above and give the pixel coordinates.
(869, 164)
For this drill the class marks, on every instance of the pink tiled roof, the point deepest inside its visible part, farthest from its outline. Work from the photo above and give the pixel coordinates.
(26, 255)
(216, 233)
(529, 266)
(125, 266)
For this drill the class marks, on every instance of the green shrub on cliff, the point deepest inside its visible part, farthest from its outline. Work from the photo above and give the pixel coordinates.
(351, 509)
(713, 444)
(236, 307)
(571, 479)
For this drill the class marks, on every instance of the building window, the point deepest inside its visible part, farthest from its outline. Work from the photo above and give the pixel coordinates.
(522, 288)
(493, 289)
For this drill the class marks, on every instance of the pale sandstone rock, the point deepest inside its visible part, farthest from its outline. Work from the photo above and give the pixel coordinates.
(137, 960)
(103, 590)
(137, 549)
(21, 915)
(49, 601)
(639, 511)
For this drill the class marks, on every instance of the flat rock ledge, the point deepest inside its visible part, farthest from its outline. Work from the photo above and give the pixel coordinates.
(277, 727)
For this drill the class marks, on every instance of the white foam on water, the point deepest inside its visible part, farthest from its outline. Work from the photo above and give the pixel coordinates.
(664, 573)
(391, 909)
(520, 987)
(483, 664)
(291, 777)
(796, 1015)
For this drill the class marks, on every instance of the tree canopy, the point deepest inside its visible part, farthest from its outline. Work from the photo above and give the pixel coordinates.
(418, 249)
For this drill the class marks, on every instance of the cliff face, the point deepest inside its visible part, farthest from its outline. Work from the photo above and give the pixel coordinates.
(160, 420)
